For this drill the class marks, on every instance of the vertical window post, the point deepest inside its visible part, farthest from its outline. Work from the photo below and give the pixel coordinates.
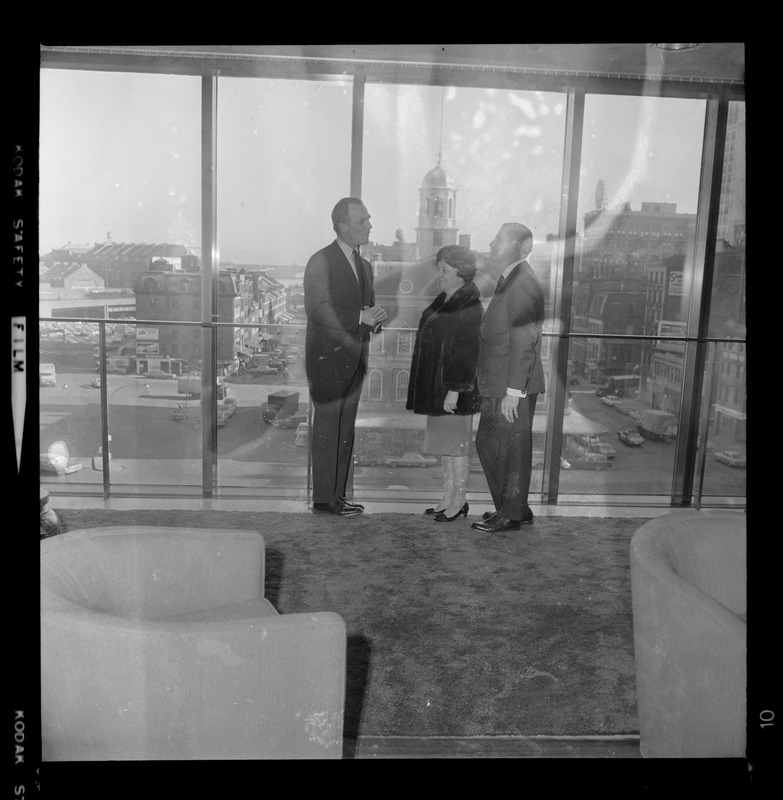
(210, 264)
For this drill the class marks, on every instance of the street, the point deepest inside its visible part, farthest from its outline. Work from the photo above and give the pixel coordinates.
(252, 452)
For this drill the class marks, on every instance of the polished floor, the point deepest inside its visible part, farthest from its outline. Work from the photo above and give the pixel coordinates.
(260, 504)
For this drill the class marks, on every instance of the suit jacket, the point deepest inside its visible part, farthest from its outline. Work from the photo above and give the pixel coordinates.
(445, 353)
(336, 341)
(510, 352)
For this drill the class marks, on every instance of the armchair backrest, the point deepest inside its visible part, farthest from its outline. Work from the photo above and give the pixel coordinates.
(713, 558)
(142, 572)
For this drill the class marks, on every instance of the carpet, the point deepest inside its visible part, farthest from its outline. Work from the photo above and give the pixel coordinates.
(452, 632)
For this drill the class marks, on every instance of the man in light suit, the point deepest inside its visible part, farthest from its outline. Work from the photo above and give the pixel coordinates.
(510, 378)
(341, 314)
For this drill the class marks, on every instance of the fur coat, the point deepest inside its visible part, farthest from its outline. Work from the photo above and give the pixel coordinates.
(445, 354)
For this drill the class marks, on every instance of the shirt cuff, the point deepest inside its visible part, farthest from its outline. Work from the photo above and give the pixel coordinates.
(514, 392)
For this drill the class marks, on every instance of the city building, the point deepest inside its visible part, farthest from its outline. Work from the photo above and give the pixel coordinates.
(731, 216)
(72, 277)
(120, 264)
(175, 295)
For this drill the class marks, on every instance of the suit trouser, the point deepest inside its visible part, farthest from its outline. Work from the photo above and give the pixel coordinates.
(334, 423)
(505, 450)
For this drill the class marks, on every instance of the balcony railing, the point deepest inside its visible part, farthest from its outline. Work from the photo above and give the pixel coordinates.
(129, 431)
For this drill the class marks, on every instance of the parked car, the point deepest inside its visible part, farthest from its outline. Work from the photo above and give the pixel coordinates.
(590, 443)
(411, 460)
(276, 363)
(256, 371)
(630, 437)
(365, 461)
(733, 458)
(301, 435)
(591, 461)
(610, 399)
(186, 411)
(228, 406)
(604, 448)
(225, 410)
(159, 373)
(601, 391)
(290, 422)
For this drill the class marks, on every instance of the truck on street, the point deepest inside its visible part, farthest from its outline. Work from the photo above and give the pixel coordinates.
(657, 425)
(280, 405)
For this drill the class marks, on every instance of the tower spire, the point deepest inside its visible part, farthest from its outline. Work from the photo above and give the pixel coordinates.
(440, 143)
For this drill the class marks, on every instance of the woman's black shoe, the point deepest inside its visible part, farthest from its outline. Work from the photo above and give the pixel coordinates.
(431, 511)
(441, 516)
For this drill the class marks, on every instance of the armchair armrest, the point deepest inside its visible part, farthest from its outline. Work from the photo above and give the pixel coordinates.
(269, 686)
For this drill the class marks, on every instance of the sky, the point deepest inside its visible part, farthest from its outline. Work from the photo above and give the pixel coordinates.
(120, 159)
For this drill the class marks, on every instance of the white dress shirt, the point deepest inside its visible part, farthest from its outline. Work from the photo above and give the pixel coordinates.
(349, 255)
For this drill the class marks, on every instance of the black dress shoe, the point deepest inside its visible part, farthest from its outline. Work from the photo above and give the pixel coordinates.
(351, 503)
(338, 508)
(441, 515)
(527, 518)
(497, 524)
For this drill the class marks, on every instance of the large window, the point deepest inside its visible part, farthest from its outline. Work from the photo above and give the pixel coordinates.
(640, 171)
(444, 166)
(283, 162)
(120, 204)
(647, 278)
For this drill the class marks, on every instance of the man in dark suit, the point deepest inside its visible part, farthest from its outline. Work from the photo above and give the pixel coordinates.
(341, 314)
(510, 378)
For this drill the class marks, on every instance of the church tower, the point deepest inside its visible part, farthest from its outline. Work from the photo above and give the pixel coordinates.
(437, 213)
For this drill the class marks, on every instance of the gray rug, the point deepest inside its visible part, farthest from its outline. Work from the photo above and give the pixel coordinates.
(452, 632)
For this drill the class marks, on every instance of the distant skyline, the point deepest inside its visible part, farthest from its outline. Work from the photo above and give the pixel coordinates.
(120, 156)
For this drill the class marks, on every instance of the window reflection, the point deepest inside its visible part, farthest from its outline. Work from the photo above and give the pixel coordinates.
(619, 437)
(120, 191)
(640, 174)
(444, 166)
(725, 373)
(283, 161)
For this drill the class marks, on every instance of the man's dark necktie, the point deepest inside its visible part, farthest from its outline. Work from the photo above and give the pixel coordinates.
(501, 279)
(359, 272)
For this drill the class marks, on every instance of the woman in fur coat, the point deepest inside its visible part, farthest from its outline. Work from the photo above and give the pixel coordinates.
(443, 375)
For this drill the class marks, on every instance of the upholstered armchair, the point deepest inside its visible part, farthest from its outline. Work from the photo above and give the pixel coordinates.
(158, 643)
(688, 579)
